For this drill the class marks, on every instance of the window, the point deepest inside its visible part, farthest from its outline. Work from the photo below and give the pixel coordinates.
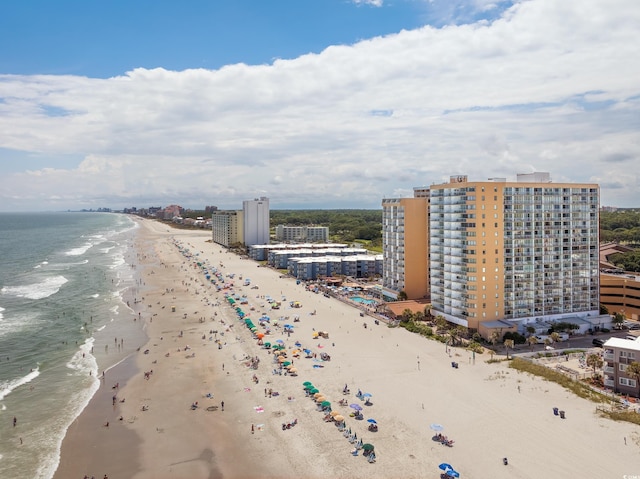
(622, 367)
(628, 382)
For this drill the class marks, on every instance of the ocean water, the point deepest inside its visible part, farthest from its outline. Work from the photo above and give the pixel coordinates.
(65, 279)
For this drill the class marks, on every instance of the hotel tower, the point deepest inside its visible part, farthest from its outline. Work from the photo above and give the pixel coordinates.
(519, 251)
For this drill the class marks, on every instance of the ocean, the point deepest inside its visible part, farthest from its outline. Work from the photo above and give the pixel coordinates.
(65, 279)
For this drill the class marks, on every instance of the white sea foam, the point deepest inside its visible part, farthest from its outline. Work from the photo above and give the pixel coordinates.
(80, 250)
(95, 295)
(7, 386)
(83, 361)
(45, 288)
(1, 315)
(101, 328)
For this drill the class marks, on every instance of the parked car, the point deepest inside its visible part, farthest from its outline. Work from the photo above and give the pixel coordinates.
(598, 342)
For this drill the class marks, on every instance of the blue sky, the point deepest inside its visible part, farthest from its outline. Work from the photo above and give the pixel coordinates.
(106, 38)
(314, 103)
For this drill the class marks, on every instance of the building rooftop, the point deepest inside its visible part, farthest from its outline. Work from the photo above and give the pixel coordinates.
(623, 343)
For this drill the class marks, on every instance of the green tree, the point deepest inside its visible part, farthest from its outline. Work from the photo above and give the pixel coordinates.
(633, 370)
(406, 316)
(495, 337)
(594, 361)
(402, 295)
(508, 344)
(532, 340)
(617, 320)
(555, 337)
(454, 334)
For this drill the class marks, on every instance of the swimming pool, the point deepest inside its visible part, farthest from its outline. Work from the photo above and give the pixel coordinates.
(358, 299)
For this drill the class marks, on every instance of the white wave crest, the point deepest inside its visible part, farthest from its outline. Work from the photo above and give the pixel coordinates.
(7, 386)
(83, 361)
(79, 251)
(44, 289)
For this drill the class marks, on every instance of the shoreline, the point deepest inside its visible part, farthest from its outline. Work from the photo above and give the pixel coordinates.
(489, 410)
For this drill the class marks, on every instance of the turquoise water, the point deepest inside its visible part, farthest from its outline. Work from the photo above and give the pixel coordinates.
(63, 277)
(358, 299)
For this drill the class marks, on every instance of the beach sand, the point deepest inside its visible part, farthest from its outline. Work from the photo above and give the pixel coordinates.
(489, 410)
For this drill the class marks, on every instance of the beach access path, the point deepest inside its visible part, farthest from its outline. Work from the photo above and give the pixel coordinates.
(489, 410)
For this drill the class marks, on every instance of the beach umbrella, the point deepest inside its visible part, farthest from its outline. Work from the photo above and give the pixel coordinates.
(448, 470)
(267, 345)
(357, 407)
(367, 447)
(366, 395)
(279, 341)
(316, 394)
(320, 398)
(437, 427)
(338, 418)
(334, 413)
(293, 370)
(313, 391)
(372, 421)
(307, 383)
(286, 363)
(325, 404)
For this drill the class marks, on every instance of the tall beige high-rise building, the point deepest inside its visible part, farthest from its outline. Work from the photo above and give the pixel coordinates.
(405, 240)
(520, 251)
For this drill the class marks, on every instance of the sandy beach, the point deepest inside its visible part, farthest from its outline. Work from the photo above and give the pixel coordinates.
(490, 411)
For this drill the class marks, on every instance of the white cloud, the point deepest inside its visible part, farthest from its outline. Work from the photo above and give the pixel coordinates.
(551, 86)
(375, 3)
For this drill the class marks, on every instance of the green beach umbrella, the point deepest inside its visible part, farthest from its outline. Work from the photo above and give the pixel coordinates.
(325, 404)
(286, 363)
(307, 383)
(313, 391)
(367, 447)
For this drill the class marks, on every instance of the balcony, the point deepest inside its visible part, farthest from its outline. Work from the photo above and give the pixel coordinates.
(608, 356)
(609, 369)
(609, 383)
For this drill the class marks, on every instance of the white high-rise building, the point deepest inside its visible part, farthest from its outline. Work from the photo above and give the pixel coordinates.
(256, 221)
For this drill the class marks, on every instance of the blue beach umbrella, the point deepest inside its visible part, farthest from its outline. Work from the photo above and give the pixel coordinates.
(437, 427)
(448, 470)
(372, 421)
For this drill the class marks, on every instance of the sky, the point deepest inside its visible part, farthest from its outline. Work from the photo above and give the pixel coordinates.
(311, 103)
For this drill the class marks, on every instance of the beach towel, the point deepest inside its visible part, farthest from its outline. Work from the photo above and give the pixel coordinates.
(258, 409)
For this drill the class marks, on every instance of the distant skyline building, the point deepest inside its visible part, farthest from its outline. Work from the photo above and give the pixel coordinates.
(227, 227)
(405, 245)
(256, 222)
(302, 234)
(523, 251)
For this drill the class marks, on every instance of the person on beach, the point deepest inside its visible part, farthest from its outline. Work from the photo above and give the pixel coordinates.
(252, 430)
(222, 405)
(15, 421)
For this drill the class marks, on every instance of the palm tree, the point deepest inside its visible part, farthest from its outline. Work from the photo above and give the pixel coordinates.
(532, 340)
(441, 322)
(531, 330)
(555, 337)
(508, 344)
(633, 370)
(453, 335)
(594, 361)
(402, 295)
(406, 316)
